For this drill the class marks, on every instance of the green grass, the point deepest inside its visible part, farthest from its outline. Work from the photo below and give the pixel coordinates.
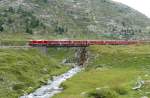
(26, 37)
(23, 38)
(24, 70)
(112, 72)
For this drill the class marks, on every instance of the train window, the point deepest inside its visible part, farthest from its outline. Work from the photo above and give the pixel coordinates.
(40, 42)
(45, 42)
(33, 41)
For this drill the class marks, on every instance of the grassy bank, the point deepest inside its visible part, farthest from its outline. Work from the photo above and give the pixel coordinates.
(112, 73)
(23, 70)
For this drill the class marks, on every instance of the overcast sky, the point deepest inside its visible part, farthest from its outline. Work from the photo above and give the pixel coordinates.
(140, 5)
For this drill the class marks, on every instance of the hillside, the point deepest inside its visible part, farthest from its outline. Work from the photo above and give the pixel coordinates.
(99, 17)
(112, 72)
(24, 70)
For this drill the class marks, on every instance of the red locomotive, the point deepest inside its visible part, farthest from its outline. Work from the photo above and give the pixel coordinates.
(79, 43)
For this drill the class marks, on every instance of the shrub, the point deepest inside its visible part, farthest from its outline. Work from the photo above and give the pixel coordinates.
(29, 30)
(61, 29)
(1, 28)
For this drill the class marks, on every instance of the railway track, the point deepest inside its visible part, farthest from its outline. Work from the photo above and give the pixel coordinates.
(17, 47)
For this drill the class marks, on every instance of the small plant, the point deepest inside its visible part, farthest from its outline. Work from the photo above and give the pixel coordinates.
(120, 90)
(64, 86)
(103, 93)
(18, 86)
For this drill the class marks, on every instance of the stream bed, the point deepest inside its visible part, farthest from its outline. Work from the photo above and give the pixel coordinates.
(53, 87)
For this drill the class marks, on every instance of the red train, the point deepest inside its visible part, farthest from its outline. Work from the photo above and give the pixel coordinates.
(79, 43)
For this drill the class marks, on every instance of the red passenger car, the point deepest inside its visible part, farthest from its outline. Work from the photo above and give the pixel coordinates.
(78, 43)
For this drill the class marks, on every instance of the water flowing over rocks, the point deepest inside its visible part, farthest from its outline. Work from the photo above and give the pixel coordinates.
(53, 87)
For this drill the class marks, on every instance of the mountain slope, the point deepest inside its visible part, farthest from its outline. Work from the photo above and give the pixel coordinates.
(80, 16)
